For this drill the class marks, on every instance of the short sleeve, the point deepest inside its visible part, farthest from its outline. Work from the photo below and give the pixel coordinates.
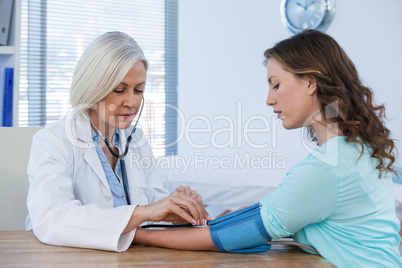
(308, 194)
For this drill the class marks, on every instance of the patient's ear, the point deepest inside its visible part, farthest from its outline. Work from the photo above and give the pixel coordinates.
(312, 85)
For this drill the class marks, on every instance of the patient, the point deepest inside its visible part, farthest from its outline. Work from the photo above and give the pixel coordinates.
(339, 199)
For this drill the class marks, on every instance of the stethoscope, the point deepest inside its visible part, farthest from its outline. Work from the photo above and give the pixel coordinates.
(121, 156)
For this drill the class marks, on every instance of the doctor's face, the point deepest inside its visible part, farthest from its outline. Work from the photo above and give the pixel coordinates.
(293, 98)
(118, 109)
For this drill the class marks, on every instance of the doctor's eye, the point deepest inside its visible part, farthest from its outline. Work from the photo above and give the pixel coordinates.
(119, 90)
(139, 89)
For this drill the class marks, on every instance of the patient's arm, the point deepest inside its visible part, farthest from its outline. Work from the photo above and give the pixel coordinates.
(197, 238)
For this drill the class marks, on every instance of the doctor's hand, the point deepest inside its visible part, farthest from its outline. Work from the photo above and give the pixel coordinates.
(192, 193)
(178, 206)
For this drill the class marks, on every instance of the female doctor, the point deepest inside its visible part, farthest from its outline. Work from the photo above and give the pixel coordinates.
(82, 193)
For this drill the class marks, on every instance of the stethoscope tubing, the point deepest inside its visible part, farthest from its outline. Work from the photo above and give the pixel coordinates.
(121, 156)
(125, 182)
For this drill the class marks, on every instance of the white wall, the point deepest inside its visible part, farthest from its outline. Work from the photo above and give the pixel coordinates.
(221, 45)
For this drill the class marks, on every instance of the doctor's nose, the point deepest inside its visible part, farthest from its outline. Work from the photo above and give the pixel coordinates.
(132, 101)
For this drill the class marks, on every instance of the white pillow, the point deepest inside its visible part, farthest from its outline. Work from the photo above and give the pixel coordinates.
(228, 188)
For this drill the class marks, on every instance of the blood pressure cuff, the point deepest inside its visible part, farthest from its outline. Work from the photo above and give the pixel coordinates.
(241, 231)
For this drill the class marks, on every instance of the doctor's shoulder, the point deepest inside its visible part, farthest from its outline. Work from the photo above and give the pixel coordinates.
(54, 136)
(49, 145)
(49, 131)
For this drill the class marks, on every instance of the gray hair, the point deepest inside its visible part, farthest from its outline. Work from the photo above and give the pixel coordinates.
(102, 67)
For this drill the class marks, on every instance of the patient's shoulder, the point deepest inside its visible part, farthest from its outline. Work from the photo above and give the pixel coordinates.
(312, 170)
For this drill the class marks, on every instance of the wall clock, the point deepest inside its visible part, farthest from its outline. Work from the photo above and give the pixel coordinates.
(298, 15)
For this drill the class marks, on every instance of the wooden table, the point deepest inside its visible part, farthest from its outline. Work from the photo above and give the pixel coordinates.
(22, 249)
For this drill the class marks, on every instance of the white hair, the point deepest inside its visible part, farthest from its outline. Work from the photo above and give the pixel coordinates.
(102, 67)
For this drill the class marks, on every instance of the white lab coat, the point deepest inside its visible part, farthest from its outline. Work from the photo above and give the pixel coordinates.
(69, 199)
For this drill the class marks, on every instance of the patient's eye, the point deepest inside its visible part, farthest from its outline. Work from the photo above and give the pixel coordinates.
(276, 86)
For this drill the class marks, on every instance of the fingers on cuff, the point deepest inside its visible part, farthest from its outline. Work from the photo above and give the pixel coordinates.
(180, 212)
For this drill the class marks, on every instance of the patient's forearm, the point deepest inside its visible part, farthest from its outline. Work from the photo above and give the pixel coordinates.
(197, 238)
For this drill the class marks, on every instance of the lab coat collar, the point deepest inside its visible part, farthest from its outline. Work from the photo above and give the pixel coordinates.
(78, 132)
(78, 129)
(92, 159)
(83, 125)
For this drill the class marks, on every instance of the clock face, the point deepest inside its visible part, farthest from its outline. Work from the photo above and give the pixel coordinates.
(304, 14)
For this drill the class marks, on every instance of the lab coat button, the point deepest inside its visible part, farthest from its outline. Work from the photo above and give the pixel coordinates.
(108, 197)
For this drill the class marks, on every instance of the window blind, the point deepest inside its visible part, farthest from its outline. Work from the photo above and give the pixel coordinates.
(54, 34)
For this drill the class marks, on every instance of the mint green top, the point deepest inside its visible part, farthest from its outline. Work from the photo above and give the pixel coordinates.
(336, 202)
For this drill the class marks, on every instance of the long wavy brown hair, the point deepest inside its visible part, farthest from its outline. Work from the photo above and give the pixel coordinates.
(315, 54)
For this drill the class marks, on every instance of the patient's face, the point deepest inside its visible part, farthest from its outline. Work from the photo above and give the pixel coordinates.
(293, 98)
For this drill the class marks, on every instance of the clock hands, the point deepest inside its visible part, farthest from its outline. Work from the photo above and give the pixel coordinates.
(306, 7)
(312, 3)
(300, 5)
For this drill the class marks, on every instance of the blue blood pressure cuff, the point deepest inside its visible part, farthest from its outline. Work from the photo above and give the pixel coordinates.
(241, 231)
